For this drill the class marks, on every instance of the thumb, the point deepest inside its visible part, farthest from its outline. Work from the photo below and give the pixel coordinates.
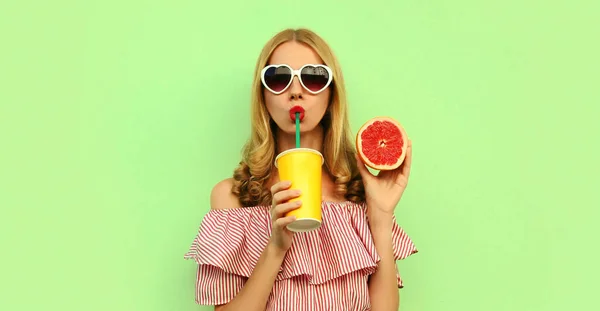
(362, 169)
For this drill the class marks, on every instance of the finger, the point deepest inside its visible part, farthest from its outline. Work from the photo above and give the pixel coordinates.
(282, 185)
(408, 160)
(284, 208)
(362, 169)
(285, 195)
(283, 222)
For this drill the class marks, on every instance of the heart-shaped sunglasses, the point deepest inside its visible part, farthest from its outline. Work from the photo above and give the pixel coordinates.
(278, 77)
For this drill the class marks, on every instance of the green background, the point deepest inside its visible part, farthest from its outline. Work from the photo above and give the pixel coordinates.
(117, 118)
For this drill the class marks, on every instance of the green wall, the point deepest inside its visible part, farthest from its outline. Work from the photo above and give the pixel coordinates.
(116, 119)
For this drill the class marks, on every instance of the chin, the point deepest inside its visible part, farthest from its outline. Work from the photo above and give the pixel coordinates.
(304, 127)
(290, 128)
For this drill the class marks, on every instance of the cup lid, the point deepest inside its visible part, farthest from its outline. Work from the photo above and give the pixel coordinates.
(299, 150)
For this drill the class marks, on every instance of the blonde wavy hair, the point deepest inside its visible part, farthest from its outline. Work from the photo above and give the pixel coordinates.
(258, 154)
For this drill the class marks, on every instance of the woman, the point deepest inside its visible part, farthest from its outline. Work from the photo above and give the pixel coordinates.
(247, 258)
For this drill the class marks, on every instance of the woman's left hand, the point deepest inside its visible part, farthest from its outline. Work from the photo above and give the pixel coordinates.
(383, 192)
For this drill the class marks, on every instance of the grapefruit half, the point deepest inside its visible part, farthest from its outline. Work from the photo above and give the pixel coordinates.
(381, 143)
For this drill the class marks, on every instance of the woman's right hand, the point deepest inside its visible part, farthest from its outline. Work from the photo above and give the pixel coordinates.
(281, 237)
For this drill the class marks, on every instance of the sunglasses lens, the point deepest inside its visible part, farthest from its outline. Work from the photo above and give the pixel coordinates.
(277, 78)
(314, 78)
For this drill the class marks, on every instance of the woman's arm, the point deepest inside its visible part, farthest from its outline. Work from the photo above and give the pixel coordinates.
(256, 290)
(383, 286)
(383, 192)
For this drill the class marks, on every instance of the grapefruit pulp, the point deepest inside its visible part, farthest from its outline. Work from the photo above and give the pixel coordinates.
(381, 143)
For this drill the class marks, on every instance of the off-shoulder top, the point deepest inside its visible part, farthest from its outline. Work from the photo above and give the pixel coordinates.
(325, 269)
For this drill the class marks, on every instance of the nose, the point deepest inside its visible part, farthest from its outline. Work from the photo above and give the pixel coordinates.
(295, 89)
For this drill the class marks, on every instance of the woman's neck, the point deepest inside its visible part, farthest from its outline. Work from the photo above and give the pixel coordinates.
(312, 139)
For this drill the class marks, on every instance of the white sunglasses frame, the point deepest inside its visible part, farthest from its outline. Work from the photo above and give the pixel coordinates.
(296, 73)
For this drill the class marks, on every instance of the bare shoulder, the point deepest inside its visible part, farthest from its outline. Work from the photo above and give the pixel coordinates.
(221, 196)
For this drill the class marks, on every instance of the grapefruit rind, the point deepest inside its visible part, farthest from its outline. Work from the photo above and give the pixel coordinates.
(371, 162)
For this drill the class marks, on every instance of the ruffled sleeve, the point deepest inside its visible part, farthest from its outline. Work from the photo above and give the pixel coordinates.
(226, 249)
(402, 245)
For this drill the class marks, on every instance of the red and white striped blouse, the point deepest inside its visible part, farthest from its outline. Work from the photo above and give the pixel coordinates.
(326, 269)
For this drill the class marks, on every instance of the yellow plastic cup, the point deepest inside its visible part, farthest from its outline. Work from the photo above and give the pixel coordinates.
(302, 166)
